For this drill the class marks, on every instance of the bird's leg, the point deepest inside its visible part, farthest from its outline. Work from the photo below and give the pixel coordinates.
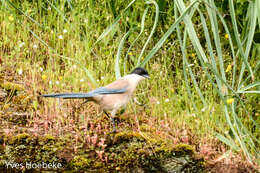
(106, 114)
(112, 119)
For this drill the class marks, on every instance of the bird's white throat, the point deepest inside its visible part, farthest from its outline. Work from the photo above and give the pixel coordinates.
(134, 78)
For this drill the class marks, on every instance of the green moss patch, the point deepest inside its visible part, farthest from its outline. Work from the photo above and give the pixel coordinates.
(9, 86)
(124, 152)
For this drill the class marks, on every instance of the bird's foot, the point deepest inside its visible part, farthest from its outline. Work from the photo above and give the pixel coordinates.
(114, 130)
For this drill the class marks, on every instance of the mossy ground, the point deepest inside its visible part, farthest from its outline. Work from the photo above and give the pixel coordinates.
(124, 152)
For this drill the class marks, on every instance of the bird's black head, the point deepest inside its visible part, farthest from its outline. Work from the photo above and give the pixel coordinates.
(140, 71)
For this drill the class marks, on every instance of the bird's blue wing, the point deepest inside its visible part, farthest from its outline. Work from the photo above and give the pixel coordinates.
(93, 93)
(104, 90)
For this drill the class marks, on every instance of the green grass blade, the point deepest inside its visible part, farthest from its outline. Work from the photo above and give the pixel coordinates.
(237, 37)
(191, 31)
(138, 36)
(251, 28)
(118, 55)
(183, 47)
(241, 142)
(38, 38)
(234, 57)
(248, 77)
(191, 73)
(167, 34)
(227, 141)
(186, 65)
(195, 82)
(248, 92)
(250, 86)
(226, 28)
(110, 28)
(215, 31)
(258, 9)
(143, 20)
(245, 131)
(152, 31)
(209, 46)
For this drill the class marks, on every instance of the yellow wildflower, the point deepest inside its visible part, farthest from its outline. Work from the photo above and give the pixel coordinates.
(28, 11)
(229, 67)
(230, 101)
(6, 106)
(193, 55)
(226, 36)
(44, 77)
(130, 53)
(20, 71)
(11, 18)
(60, 77)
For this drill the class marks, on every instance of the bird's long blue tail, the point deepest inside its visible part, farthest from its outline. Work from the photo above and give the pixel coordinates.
(90, 94)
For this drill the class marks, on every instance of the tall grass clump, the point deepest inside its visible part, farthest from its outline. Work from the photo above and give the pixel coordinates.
(231, 88)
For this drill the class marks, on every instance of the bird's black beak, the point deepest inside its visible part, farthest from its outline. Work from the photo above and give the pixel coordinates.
(146, 76)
